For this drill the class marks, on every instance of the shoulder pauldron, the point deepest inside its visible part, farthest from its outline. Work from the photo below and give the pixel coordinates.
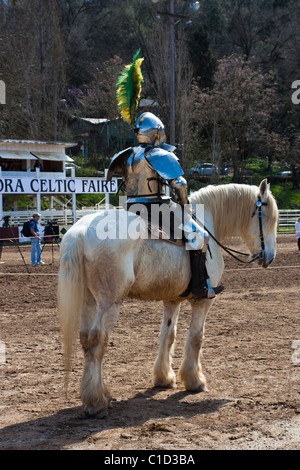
(165, 163)
(117, 163)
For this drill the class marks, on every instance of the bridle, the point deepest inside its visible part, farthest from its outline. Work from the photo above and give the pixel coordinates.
(258, 207)
(260, 255)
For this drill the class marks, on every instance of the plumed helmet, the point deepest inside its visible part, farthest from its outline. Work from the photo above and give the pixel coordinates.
(150, 130)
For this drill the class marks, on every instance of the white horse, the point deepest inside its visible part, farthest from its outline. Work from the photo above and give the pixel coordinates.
(97, 274)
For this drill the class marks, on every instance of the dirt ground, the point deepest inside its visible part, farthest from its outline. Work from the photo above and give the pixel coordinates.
(251, 359)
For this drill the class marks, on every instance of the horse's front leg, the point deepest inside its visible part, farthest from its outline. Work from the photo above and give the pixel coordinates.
(191, 371)
(94, 394)
(164, 375)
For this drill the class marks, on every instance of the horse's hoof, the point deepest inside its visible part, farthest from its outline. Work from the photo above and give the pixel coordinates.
(166, 387)
(159, 384)
(198, 389)
(100, 414)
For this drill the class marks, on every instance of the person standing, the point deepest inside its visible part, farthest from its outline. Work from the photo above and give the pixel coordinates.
(297, 227)
(36, 248)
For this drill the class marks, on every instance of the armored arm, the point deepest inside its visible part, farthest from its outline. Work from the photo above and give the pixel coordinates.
(167, 165)
(180, 187)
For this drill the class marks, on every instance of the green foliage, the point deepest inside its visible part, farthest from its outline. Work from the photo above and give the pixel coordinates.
(88, 199)
(24, 203)
(286, 197)
(204, 62)
(51, 48)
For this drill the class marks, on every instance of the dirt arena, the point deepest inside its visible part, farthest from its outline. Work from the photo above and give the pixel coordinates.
(251, 359)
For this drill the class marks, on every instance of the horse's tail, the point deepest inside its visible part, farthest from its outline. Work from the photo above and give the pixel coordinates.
(71, 290)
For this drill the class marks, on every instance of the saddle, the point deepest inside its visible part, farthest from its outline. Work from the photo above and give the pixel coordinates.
(157, 228)
(157, 231)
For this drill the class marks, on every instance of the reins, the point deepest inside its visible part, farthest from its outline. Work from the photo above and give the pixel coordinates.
(230, 251)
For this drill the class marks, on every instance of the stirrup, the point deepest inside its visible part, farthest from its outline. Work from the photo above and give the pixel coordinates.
(207, 292)
(210, 291)
(218, 289)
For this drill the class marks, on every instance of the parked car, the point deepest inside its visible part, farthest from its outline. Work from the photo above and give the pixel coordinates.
(284, 174)
(203, 169)
(224, 170)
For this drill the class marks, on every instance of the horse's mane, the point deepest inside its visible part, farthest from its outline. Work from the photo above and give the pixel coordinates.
(231, 207)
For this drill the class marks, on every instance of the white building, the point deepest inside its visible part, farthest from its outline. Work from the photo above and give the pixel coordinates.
(19, 156)
(38, 169)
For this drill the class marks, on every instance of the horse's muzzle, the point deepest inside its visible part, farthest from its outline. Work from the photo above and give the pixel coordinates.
(264, 260)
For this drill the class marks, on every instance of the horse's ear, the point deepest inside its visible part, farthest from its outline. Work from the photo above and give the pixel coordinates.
(264, 188)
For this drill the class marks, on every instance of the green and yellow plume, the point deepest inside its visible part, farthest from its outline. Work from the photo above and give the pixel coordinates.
(129, 89)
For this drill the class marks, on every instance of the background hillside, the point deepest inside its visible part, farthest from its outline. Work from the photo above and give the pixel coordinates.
(235, 65)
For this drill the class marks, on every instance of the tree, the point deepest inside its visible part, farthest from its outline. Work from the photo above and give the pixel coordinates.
(236, 113)
(32, 60)
(99, 99)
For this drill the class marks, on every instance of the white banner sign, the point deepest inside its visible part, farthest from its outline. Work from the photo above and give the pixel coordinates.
(57, 186)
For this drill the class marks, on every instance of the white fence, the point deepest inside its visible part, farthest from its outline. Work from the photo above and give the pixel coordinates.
(63, 217)
(287, 219)
(286, 222)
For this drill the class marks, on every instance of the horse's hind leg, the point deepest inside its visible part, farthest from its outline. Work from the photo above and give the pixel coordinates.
(94, 394)
(191, 371)
(88, 317)
(164, 375)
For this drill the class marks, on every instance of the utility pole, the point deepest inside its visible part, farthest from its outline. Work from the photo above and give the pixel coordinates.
(172, 16)
(172, 73)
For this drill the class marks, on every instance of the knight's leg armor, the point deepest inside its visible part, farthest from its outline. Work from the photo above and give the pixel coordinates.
(200, 286)
(197, 241)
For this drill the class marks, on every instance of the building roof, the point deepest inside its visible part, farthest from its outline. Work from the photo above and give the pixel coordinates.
(146, 102)
(34, 149)
(13, 141)
(94, 121)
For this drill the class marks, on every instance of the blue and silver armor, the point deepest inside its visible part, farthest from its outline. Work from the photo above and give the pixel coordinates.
(147, 168)
(145, 171)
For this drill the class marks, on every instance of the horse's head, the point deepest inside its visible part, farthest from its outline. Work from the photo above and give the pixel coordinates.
(261, 234)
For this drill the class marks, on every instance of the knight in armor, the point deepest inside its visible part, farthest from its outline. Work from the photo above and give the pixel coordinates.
(145, 170)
